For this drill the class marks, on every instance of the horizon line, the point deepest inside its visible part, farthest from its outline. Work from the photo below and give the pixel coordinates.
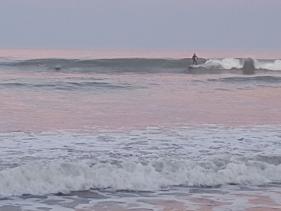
(135, 53)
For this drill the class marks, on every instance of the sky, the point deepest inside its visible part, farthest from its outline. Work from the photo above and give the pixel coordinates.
(141, 24)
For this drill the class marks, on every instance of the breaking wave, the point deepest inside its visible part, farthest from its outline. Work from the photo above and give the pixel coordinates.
(273, 65)
(230, 63)
(136, 64)
(39, 178)
(141, 160)
(226, 64)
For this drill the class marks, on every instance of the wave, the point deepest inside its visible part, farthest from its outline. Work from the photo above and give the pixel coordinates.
(105, 65)
(66, 85)
(137, 64)
(272, 65)
(140, 160)
(7, 61)
(46, 178)
(232, 63)
(226, 64)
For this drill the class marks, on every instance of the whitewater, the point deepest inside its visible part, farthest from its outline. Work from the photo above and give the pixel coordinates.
(117, 134)
(144, 160)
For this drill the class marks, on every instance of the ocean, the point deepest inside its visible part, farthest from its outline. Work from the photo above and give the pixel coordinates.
(139, 134)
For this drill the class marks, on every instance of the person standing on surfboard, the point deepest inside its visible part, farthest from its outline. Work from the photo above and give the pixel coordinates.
(194, 59)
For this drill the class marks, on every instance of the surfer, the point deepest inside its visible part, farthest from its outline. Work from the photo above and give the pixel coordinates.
(194, 59)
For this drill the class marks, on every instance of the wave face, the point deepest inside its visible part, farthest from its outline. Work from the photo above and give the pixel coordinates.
(135, 65)
(105, 65)
(142, 160)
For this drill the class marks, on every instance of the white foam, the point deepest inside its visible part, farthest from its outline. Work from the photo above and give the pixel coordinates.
(41, 178)
(227, 63)
(269, 65)
(231, 63)
(150, 159)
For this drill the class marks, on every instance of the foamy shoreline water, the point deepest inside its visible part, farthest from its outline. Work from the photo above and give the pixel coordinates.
(185, 168)
(265, 199)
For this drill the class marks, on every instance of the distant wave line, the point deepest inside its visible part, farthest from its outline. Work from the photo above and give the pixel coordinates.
(137, 64)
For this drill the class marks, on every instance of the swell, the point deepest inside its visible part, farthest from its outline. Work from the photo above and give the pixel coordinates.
(106, 65)
(64, 85)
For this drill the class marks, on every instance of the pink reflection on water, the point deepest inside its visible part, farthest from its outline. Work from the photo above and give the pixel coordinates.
(165, 100)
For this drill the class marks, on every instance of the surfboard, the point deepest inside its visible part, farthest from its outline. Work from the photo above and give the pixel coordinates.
(193, 66)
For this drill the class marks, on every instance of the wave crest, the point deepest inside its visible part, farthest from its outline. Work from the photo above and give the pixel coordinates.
(39, 178)
(274, 65)
(226, 64)
(231, 63)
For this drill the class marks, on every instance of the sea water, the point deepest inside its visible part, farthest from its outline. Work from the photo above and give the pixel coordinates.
(139, 134)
